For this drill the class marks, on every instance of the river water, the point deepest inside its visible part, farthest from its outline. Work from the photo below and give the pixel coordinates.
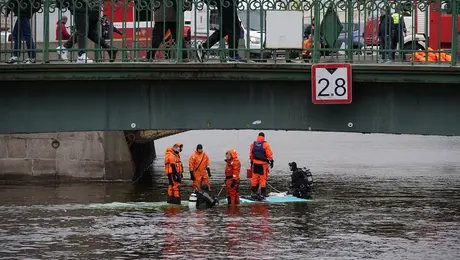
(375, 197)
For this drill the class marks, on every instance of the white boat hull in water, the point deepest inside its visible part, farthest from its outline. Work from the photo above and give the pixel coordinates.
(273, 197)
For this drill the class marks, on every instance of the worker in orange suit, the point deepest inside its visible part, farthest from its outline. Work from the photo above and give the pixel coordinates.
(232, 176)
(174, 171)
(261, 157)
(198, 165)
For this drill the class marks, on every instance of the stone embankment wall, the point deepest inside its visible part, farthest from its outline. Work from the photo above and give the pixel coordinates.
(82, 155)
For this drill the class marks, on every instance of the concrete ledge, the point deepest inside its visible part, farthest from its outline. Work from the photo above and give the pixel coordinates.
(19, 178)
(80, 155)
(150, 135)
(404, 72)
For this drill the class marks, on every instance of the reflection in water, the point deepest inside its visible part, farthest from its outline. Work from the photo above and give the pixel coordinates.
(260, 230)
(413, 222)
(233, 238)
(171, 244)
(390, 197)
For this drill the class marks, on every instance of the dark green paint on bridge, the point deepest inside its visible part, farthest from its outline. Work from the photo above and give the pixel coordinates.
(386, 99)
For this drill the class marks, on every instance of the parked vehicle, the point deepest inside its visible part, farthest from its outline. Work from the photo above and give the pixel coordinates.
(254, 20)
(252, 25)
(358, 39)
(137, 26)
(414, 36)
(430, 27)
(5, 35)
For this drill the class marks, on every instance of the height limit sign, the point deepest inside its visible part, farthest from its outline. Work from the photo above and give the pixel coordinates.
(331, 83)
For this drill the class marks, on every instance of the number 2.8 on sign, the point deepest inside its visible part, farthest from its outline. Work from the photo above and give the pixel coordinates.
(336, 91)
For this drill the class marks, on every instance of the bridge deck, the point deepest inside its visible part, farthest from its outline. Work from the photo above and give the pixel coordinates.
(402, 72)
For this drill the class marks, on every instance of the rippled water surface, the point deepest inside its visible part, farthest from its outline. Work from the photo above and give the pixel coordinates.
(376, 197)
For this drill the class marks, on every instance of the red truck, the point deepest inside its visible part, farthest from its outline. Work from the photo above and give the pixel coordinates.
(137, 25)
(428, 28)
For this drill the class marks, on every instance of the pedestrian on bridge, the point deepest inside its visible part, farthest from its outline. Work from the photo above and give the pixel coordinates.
(399, 31)
(23, 10)
(385, 28)
(165, 18)
(230, 26)
(61, 31)
(86, 17)
(108, 29)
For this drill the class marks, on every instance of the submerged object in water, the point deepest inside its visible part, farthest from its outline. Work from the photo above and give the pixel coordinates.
(274, 197)
(139, 204)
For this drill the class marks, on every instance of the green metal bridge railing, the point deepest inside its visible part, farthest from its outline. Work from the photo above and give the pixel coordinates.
(413, 32)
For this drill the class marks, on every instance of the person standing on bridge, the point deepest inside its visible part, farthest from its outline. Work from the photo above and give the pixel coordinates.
(61, 32)
(198, 165)
(108, 29)
(174, 171)
(261, 156)
(23, 10)
(232, 176)
(86, 17)
(230, 26)
(165, 18)
(399, 31)
(385, 28)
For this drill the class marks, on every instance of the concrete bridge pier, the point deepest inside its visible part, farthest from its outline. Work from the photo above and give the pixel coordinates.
(98, 155)
(65, 155)
(141, 144)
(143, 154)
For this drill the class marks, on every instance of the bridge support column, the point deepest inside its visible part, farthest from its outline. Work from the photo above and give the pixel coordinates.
(110, 155)
(143, 154)
(142, 147)
(65, 155)
(117, 161)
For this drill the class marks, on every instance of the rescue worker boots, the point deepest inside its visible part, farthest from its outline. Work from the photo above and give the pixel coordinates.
(173, 200)
(263, 192)
(255, 193)
(257, 196)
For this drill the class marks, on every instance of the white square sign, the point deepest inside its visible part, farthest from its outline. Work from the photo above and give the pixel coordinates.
(331, 84)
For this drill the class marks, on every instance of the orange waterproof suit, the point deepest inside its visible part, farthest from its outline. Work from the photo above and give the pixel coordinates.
(232, 178)
(261, 156)
(198, 165)
(174, 170)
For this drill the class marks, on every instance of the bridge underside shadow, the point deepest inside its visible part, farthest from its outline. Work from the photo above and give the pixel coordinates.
(192, 105)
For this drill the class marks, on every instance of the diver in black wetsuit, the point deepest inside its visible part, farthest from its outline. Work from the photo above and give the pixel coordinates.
(301, 181)
(204, 200)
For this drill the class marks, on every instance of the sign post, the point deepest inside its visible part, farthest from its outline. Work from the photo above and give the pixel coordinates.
(331, 83)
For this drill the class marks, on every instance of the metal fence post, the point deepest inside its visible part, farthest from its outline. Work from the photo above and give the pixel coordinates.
(455, 44)
(349, 50)
(180, 30)
(46, 36)
(316, 50)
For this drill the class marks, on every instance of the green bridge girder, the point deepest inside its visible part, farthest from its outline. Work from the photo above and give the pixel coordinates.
(50, 98)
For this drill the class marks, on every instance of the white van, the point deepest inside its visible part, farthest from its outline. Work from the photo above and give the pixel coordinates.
(205, 21)
(253, 24)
